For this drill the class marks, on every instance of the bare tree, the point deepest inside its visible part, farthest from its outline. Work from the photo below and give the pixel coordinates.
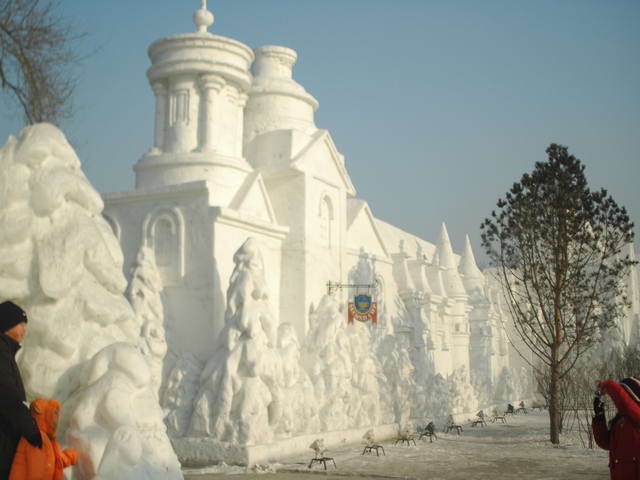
(558, 247)
(36, 59)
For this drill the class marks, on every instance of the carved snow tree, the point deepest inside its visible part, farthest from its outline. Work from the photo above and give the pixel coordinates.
(558, 249)
(35, 59)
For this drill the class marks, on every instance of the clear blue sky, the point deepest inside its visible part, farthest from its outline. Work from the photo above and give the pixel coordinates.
(438, 106)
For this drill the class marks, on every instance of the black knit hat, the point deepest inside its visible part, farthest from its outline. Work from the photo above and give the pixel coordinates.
(10, 315)
(632, 386)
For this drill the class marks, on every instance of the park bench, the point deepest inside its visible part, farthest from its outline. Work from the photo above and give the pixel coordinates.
(370, 448)
(371, 444)
(521, 409)
(318, 447)
(428, 431)
(452, 425)
(406, 435)
(495, 416)
(480, 420)
(322, 460)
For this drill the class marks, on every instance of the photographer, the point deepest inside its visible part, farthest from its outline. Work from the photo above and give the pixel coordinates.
(622, 436)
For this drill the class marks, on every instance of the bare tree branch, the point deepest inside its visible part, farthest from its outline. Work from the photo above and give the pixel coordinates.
(36, 57)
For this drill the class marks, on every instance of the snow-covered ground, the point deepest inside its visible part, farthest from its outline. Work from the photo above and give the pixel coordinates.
(517, 450)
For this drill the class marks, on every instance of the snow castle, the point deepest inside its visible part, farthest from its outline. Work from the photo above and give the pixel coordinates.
(248, 213)
(241, 245)
(237, 155)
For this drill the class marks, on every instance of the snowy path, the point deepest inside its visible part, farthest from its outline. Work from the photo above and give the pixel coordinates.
(517, 450)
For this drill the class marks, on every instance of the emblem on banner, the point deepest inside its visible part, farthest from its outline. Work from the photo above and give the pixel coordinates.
(363, 309)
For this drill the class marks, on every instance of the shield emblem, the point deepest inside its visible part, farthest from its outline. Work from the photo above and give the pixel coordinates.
(362, 303)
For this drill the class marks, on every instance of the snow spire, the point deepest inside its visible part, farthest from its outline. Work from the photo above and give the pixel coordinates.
(203, 18)
(444, 252)
(472, 276)
(468, 266)
(451, 280)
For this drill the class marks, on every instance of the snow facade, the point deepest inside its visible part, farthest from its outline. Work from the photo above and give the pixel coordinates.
(250, 212)
(227, 339)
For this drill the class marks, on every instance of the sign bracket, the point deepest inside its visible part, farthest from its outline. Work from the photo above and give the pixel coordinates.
(333, 286)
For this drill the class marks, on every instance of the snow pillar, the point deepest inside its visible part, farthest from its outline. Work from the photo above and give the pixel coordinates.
(160, 92)
(210, 85)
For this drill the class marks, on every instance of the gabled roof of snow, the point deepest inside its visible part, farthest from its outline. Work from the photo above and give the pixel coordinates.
(359, 217)
(253, 198)
(322, 139)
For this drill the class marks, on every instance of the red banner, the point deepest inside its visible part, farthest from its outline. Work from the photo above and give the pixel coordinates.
(370, 315)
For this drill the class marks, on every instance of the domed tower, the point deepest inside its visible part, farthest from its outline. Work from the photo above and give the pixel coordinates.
(200, 81)
(279, 112)
(196, 198)
(305, 176)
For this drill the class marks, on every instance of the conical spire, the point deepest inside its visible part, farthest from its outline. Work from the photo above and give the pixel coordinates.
(472, 276)
(444, 252)
(468, 266)
(451, 280)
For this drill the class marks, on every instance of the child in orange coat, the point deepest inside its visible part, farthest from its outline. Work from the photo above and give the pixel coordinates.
(48, 462)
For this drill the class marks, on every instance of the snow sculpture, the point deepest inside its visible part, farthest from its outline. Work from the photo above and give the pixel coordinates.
(62, 263)
(318, 447)
(437, 398)
(369, 437)
(399, 373)
(344, 371)
(296, 405)
(60, 259)
(144, 293)
(508, 387)
(179, 393)
(117, 418)
(462, 394)
(244, 385)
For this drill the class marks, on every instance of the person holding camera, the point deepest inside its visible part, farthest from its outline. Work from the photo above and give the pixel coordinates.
(622, 435)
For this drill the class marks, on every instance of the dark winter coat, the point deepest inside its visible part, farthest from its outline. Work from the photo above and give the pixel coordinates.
(15, 418)
(622, 439)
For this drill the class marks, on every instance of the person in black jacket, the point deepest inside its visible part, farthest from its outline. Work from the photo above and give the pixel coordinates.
(15, 418)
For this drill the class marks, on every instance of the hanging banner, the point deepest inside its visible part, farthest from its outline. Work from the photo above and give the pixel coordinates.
(363, 309)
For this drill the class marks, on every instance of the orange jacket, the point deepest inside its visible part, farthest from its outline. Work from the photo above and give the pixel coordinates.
(48, 462)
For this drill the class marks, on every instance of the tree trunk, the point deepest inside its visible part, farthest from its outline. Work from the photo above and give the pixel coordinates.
(554, 404)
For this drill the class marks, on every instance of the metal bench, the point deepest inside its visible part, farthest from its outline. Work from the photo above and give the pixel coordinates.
(496, 416)
(403, 438)
(452, 425)
(428, 431)
(370, 448)
(480, 420)
(323, 461)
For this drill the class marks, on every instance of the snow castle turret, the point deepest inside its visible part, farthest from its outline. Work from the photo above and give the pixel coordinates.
(456, 307)
(279, 112)
(200, 81)
(472, 277)
(451, 280)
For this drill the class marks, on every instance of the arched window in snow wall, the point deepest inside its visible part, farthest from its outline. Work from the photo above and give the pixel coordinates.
(164, 233)
(326, 222)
